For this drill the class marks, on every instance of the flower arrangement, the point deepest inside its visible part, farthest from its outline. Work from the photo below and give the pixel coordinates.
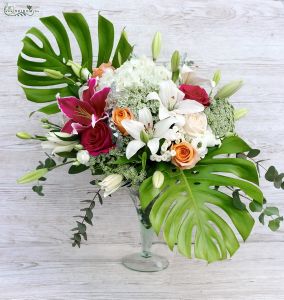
(161, 130)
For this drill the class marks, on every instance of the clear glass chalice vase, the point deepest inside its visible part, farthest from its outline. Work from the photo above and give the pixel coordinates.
(145, 260)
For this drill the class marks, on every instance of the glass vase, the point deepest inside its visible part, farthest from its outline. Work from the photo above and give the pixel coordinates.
(145, 260)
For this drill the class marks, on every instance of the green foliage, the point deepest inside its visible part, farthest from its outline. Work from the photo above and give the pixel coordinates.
(77, 169)
(81, 228)
(187, 202)
(106, 38)
(38, 56)
(39, 88)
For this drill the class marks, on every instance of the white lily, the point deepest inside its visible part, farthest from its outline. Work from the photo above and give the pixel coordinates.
(189, 76)
(145, 132)
(172, 103)
(56, 144)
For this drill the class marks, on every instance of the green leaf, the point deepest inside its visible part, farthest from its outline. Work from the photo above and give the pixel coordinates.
(184, 206)
(38, 189)
(255, 206)
(77, 169)
(261, 218)
(271, 211)
(229, 146)
(49, 163)
(106, 38)
(278, 180)
(81, 227)
(35, 58)
(253, 153)
(271, 174)
(274, 224)
(122, 51)
(71, 154)
(70, 138)
(81, 31)
(50, 109)
(237, 201)
(32, 176)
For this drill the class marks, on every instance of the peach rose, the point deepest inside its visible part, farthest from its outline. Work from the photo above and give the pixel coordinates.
(120, 114)
(186, 156)
(98, 72)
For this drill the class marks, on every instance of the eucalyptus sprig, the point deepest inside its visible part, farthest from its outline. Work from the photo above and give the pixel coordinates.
(80, 231)
(271, 175)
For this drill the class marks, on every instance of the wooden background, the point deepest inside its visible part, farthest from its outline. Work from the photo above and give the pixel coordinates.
(245, 39)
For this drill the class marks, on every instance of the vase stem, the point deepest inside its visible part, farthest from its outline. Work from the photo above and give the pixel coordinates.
(145, 261)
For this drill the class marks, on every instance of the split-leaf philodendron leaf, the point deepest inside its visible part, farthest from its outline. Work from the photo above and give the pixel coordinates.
(38, 54)
(193, 214)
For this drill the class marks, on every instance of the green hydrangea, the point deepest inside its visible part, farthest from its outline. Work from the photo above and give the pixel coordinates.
(220, 116)
(135, 99)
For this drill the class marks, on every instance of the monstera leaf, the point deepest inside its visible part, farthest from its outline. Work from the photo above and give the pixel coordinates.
(38, 54)
(190, 210)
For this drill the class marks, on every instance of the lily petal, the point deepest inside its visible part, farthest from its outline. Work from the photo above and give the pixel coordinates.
(78, 128)
(90, 90)
(98, 101)
(133, 147)
(161, 127)
(170, 93)
(189, 107)
(153, 96)
(73, 108)
(163, 112)
(67, 127)
(133, 127)
(154, 145)
(145, 117)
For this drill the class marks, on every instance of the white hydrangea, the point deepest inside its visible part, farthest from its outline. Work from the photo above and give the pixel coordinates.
(134, 73)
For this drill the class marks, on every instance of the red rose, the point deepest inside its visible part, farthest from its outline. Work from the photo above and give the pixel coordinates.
(97, 140)
(195, 92)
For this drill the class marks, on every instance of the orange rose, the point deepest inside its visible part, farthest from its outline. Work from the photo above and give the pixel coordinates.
(186, 156)
(120, 114)
(98, 72)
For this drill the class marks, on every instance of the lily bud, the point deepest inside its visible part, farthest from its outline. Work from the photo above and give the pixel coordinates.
(79, 71)
(23, 135)
(44, 120)
(78, 147)
(217, 77)
(229, 89)
(240, 113)
(158, 179)
(53, 74)
(156, 45)
(175, 61)
(111, 183)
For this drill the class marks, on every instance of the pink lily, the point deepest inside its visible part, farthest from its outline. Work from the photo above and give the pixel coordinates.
(86, 112)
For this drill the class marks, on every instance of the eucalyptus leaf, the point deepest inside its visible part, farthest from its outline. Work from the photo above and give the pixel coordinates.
(271, 174)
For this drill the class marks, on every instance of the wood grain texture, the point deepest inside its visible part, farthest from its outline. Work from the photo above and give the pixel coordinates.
(245, 40)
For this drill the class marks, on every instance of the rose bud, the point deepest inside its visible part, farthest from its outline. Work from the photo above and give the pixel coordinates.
(120, 114)
(186, 156)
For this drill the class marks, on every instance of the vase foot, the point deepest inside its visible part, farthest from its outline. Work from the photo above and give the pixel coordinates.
(140, 263)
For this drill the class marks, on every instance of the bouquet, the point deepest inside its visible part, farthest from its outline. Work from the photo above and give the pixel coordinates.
(162, 131)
